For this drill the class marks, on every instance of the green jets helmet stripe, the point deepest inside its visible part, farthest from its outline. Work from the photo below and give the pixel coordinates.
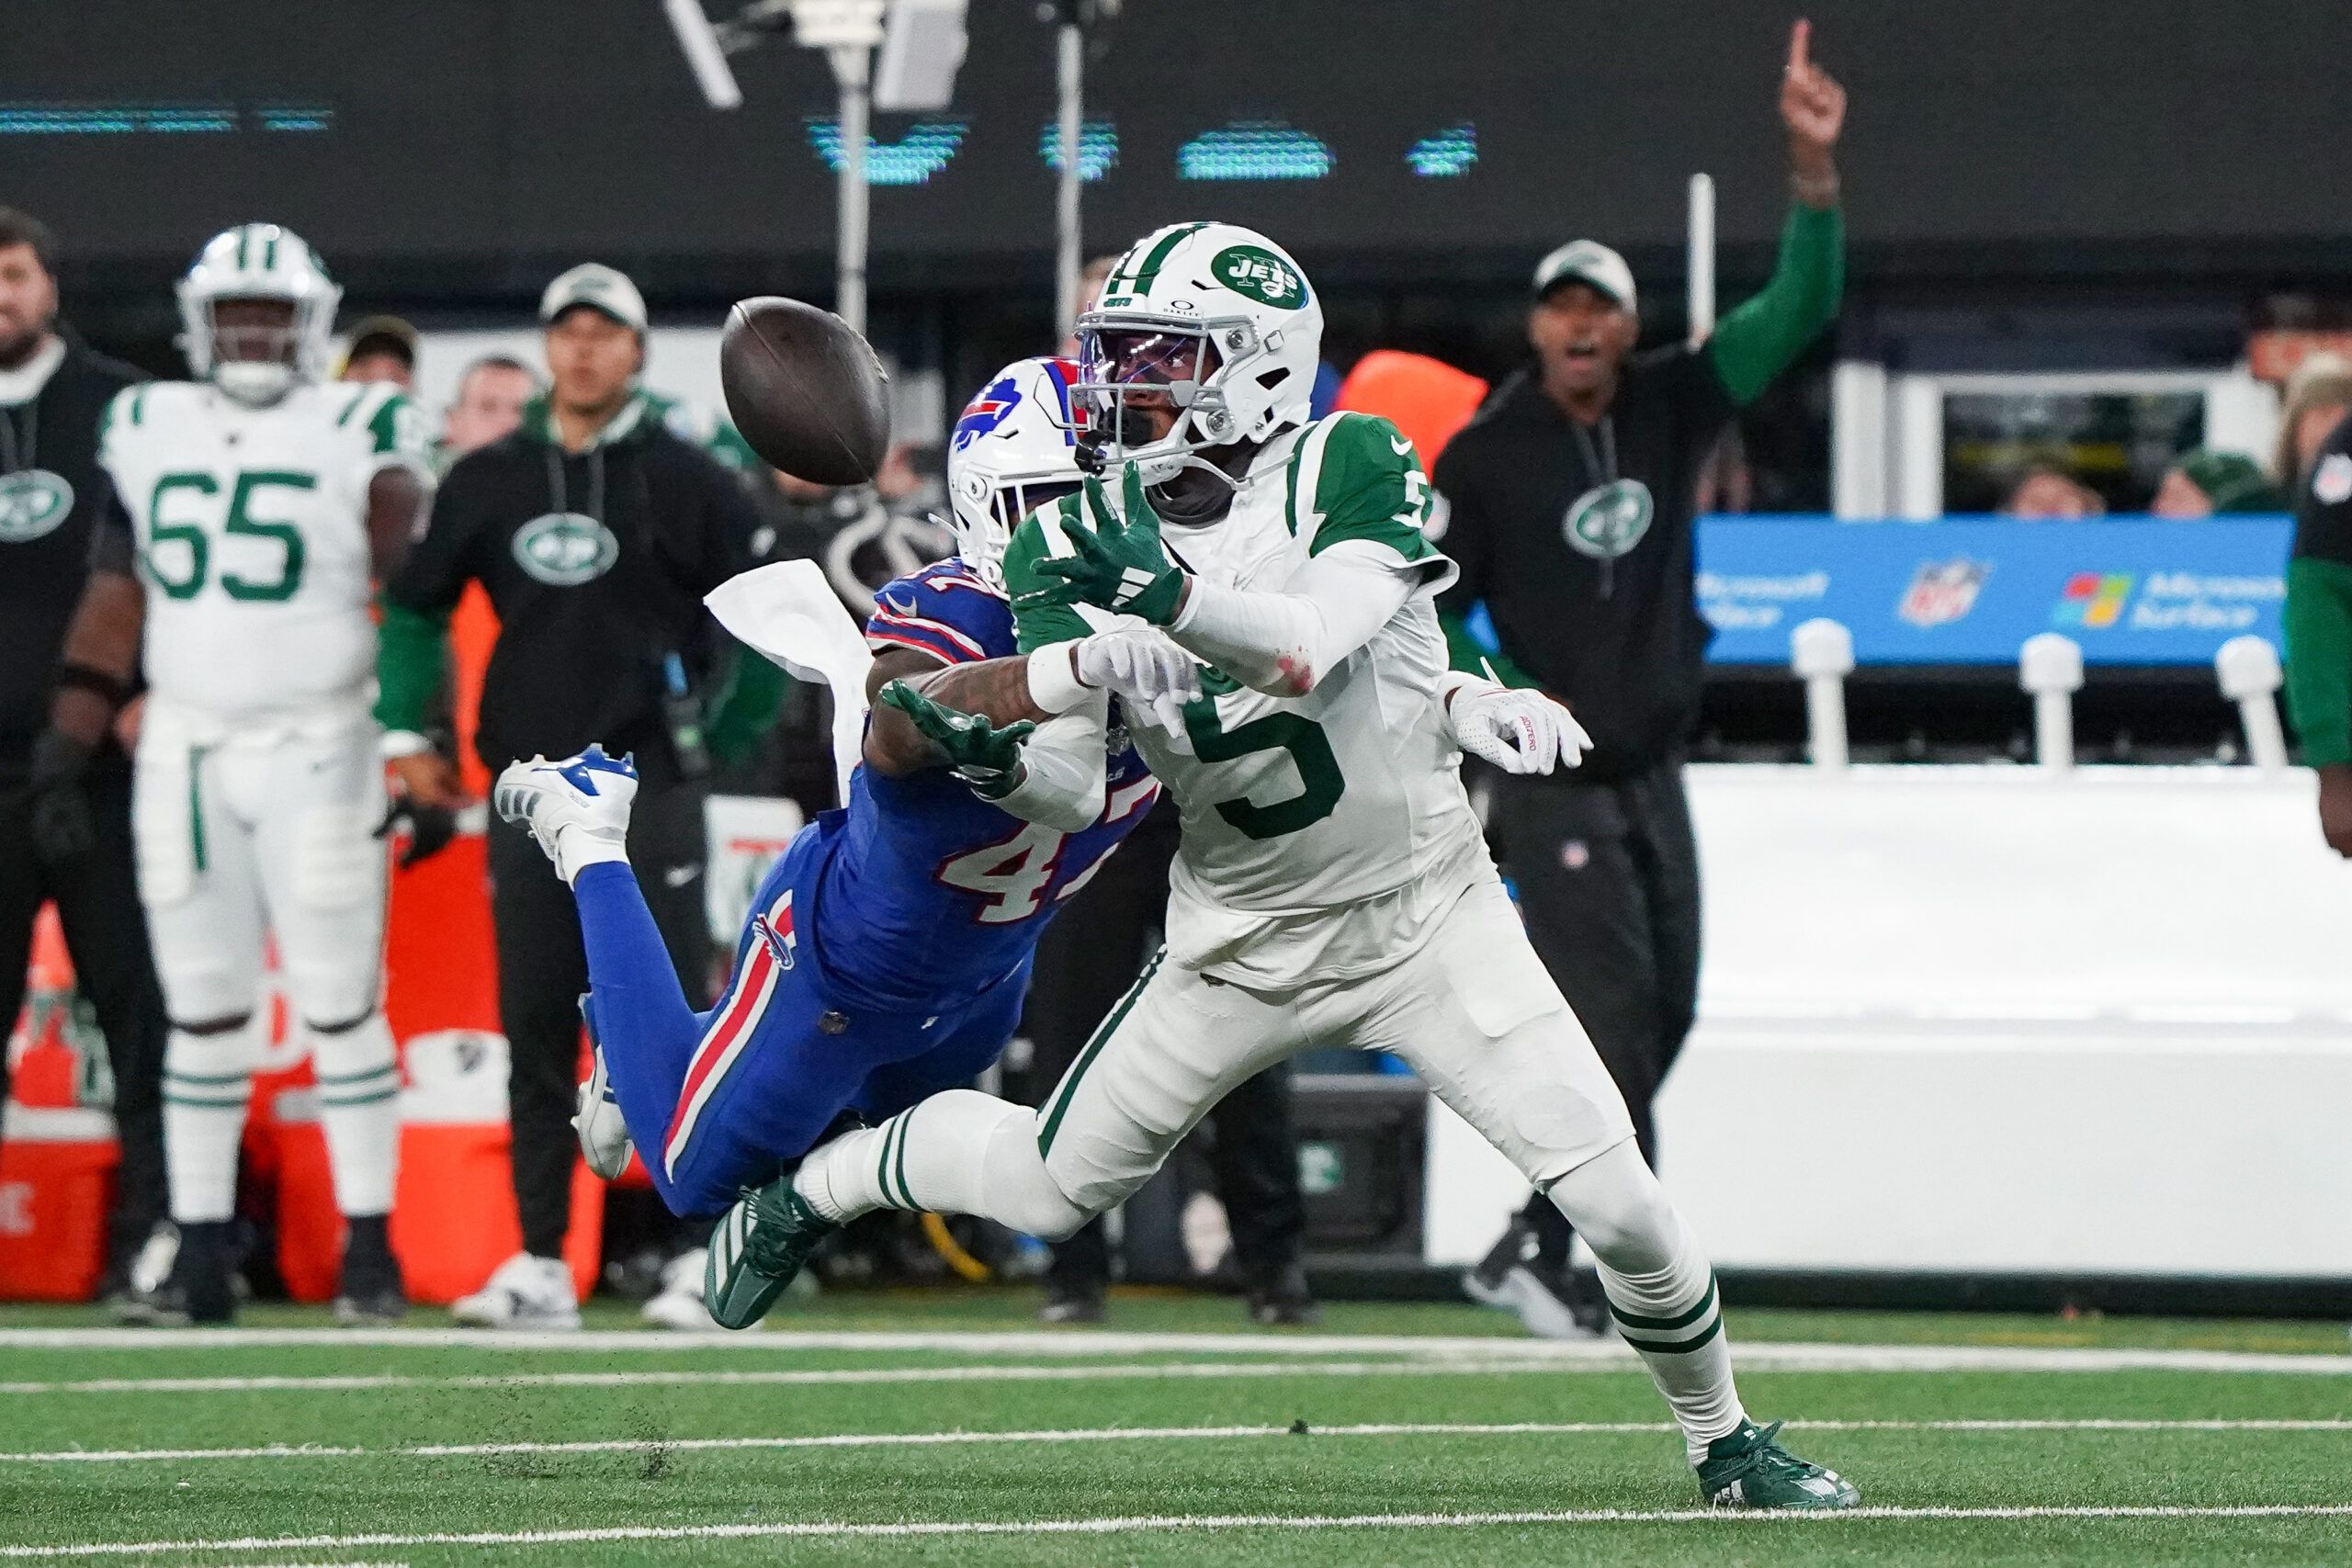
(1042, 626)
(1366, 483)
(1136, 280)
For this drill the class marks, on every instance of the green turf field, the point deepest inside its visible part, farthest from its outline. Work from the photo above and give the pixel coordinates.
(943, 1428)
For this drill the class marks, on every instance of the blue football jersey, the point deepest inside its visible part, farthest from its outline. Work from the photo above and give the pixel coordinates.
(926, 893)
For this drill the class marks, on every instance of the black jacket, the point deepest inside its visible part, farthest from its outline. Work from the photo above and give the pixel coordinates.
(1609, 624)
(596, 563)
(51, 491)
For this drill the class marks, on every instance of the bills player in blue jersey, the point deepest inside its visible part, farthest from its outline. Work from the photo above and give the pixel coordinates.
(890, 947)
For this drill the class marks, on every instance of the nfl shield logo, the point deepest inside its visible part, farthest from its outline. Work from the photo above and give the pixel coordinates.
(1942, 591)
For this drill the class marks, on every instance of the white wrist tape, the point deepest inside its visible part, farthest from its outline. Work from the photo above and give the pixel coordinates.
(1053, 678)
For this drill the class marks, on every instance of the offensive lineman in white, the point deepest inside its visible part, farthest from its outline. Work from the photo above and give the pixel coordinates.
(255, 507)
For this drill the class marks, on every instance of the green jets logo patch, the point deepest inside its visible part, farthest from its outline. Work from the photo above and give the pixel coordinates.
(564, 549)
(1609, 520)
(1262, 275)
(32, 504)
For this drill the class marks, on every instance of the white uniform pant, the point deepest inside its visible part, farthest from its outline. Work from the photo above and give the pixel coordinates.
(247, 834)
(1472, 1011)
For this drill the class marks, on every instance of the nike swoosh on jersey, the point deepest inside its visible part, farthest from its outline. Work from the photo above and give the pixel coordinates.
(679, 875)
(1402, 449)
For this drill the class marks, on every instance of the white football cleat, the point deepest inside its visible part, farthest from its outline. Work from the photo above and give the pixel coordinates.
(577, 807)
(596, 1117)
(678, 1303)
(525, 1292)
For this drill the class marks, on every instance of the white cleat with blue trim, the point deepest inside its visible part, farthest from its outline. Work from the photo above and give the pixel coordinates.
(577, 807)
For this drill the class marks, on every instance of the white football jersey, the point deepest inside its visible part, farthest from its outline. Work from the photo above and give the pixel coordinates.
(252, 533)
(1294, 808)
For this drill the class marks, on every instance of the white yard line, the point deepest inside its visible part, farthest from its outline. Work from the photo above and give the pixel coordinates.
(1147, 1524)
(1802, 1356)
(801, 1377)
(1122, 1433)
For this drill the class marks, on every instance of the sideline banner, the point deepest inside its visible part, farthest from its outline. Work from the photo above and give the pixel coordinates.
(1971, 590)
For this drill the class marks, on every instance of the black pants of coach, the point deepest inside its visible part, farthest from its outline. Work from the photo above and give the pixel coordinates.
(543, 971)
(1608, 879)
(106, 935)
(1087, 959)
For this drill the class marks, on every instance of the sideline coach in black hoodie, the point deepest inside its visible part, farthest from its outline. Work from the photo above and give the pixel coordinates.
(64, 808)
(1568, 504)
(596, 531)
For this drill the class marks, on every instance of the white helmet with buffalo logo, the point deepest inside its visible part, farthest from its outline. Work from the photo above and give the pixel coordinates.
(1013, 449)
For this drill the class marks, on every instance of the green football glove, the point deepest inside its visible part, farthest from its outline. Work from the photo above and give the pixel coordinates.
(1120, 564)
(981, 754)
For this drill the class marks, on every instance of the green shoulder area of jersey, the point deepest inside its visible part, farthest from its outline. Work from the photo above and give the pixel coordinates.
(393, 426)
(124, 410)
(1042, 624)
(1353, 475)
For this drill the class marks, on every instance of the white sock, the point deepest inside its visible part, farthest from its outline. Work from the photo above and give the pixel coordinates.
(1660, 1290)
(208, 1078)
(960, 1152)
(360, 1105)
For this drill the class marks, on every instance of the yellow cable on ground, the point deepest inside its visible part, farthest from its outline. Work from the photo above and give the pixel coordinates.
(943, 1242)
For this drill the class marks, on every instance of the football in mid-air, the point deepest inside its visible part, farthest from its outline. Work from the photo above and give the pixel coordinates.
(805, 391)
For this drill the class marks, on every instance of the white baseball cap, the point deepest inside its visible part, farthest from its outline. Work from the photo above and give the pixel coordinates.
(601, 288)
(1591, 262)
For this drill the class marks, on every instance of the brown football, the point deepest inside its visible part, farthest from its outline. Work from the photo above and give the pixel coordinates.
(805, 391)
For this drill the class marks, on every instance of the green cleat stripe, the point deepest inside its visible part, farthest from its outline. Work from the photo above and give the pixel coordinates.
(1660, 1349)
(1706, 1304)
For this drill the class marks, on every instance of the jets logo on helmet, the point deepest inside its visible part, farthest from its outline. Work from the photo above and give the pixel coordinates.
(280, 311)
(1214, 318)
(1013, 449)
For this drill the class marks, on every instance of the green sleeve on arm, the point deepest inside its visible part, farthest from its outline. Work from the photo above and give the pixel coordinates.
(2318, 657)
(754, 691)
(412, 646)
(1764, 335)
(1040, 625)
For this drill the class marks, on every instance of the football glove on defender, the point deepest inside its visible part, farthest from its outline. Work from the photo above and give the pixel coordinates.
(1121, 564)
(984, 756)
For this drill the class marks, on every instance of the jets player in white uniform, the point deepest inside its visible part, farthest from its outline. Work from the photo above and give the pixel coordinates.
(257, 505)
(1333, 886)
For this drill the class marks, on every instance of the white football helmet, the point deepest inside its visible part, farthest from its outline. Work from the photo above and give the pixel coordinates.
(258, 261)
(1015, 449)
(1218, 317)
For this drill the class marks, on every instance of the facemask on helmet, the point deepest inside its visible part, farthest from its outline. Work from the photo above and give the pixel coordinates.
(1206, 334)
(256, 356)
(1013, 451)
